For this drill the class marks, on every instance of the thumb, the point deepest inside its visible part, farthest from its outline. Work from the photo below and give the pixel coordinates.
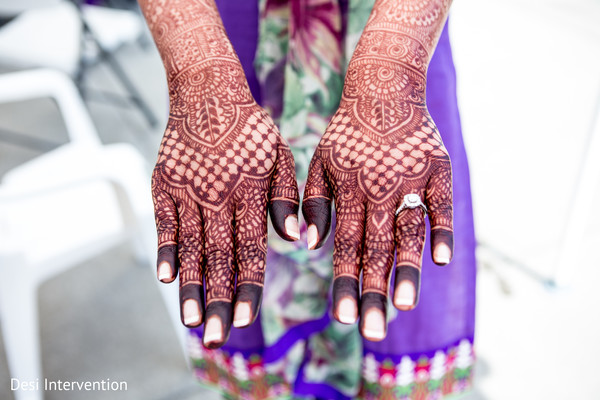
(316, 206)
(284, 199)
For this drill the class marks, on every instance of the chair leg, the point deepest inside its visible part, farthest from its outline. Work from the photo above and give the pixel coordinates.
(573, 233)
(20, 327)
(138, 215)
(134, 95)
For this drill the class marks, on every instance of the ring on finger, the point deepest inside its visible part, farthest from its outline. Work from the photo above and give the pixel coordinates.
(411, 200)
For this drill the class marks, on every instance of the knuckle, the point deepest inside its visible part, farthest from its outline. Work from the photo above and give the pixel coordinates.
(379, 249)
(190, 237)
(411, 229)
(218, 256)
(165, 225)
(346, 247)
(251, 254)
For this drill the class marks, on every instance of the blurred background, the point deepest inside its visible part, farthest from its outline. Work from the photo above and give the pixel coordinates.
(529, 91)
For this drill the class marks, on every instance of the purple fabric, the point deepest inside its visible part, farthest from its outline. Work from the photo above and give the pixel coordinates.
(240, 18)
(446, 310)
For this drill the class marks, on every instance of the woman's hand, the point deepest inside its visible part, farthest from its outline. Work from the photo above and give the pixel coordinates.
(221, 165)
(381, 146)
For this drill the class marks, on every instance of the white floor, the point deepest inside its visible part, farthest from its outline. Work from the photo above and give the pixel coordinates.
(529, 90)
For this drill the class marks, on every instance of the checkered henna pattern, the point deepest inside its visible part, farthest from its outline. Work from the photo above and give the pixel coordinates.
(222, 166)
(381, 145)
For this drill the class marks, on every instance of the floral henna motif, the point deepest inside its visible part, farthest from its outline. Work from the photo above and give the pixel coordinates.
(379, 146)
(221, 165)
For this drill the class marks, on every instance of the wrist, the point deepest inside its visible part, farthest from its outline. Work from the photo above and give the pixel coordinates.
(386, 79)
(400, 51)
(187, 33)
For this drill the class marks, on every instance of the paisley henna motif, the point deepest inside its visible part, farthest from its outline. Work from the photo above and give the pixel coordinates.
(379, 146)
(221, 165)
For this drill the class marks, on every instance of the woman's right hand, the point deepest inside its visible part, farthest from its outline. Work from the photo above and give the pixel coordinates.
(222, 163)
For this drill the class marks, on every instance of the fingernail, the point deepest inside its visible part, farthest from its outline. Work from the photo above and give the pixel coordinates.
(347, 311)
(291, 227)
(312, 235)
(213, 331)
(441, 254)
(374, 325)
(241, 316)
(191, 312)
(405, 294)
(164, 271)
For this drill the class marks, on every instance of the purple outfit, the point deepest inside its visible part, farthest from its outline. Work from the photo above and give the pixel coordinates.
(427, 352)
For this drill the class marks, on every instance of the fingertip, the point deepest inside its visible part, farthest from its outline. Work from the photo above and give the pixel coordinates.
(192, 316)
(213, 332)
(165, 272)
(284, 216)
(442, 245)
(373, 324)
(218, 324)
(191, 302)
(347, 311)
(441, 254)
(345, 295)
(405, 295)
(291, 227)
(312, 236)
(407, 287)
(317, 213)
(247, 303)
(242, 315)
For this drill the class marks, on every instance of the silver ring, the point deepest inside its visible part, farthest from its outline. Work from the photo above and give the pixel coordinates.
(411, 200)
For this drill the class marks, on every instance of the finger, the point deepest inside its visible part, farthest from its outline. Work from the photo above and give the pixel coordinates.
(191, 252)
(167, 227)
(378, 257)
(251, 253)
(284, 199)
(410, 238)
(219, 253)
(316, 205)
(439, 205)
(347, 254)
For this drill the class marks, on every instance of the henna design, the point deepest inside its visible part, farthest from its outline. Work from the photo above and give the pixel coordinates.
(221, 165)
(379, 146)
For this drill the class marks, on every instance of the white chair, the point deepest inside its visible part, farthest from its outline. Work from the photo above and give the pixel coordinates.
(62, 208)
(53, 33)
